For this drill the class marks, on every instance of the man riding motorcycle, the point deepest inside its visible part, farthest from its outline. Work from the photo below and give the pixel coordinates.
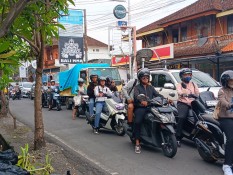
(101, 93)
(51, 90)
(90, 92)
(186, 90)
(141, 107)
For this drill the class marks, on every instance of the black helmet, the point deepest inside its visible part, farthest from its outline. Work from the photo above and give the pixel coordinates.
(109, 79)
(80, 80)
(185, 71)
(93, 75)
(227, 75)
(143, 72)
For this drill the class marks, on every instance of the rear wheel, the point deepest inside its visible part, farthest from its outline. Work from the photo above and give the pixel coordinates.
(205, 156)
(170, 146)
(119, 128)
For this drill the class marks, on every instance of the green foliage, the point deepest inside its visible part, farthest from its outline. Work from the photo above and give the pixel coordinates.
(28, 162)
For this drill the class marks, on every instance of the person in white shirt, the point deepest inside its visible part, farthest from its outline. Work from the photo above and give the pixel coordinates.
(101, 92)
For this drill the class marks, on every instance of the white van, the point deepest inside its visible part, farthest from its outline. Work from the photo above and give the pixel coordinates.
(165, 81)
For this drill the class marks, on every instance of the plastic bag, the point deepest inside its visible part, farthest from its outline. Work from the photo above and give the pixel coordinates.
(6, 169)
(8, 156)
(77, 100)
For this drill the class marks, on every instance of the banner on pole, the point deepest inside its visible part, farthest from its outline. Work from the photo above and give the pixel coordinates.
(71, 39)
(22, 72)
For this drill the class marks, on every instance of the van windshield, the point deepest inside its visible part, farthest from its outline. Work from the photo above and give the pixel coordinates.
(106, 72)
(27, 85)
(200, 78)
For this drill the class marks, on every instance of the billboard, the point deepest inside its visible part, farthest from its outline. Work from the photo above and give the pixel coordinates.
(119, 61)
(164, 52)
(71, 39)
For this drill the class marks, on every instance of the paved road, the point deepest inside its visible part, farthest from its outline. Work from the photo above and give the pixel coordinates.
(114, 153)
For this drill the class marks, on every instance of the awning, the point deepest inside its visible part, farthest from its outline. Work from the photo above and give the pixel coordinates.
(225, 13)
(228, 48)
(150, 32)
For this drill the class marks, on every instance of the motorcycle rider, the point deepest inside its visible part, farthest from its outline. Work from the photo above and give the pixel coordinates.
(225, 97)
(81, 91)
(90, 92)
(44, 90)
(141, 107)
(101, 93)
(128, 92)
(110, 83)
(51, 90)
(186, 91)
(17, 90)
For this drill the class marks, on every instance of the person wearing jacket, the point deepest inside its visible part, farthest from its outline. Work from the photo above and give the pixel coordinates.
(141, 107)
(101, 93)
(186, 91)
(225, 97)
(90, 92)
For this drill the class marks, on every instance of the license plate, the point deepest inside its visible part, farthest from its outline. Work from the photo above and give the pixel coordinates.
(211, 103)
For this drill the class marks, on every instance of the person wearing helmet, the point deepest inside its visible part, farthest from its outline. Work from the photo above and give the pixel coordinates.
(90, 92)
(141, 107)
(110, 83)
(45, 86)
(225, 97)
(51, 90)
(101, 93)
(186, 91)
(81, 91)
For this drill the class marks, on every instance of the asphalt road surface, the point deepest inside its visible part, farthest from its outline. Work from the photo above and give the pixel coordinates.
(115, 154)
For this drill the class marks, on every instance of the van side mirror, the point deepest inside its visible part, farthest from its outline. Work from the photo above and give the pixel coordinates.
(169, 86)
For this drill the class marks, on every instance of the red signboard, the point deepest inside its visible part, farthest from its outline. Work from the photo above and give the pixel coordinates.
(118, 61)
(163, 52)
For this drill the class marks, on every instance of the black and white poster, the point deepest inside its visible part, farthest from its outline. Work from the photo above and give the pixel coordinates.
(71, 49)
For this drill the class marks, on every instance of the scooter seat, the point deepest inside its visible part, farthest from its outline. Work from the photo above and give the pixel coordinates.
(209, 118)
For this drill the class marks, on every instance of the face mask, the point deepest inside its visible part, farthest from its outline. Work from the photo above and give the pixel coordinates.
(187, 79)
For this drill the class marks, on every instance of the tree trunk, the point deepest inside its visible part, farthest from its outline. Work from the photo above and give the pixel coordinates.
(39, 140)
(4, 104)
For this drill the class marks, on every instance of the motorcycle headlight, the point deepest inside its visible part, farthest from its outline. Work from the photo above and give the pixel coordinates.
(120, 106)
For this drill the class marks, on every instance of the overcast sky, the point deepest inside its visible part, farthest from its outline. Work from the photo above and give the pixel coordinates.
(143, 12)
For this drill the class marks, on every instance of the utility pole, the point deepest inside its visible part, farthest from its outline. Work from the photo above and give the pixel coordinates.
(85, 35)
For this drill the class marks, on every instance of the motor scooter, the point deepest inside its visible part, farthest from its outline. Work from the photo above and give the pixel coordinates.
(55, 99)
(80, 101)
(112, 117)
(157, 127)
(16, 95)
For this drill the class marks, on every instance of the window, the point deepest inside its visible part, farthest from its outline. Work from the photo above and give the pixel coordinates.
(183, 33)
(175, 36)
(230, 24)
(203, 32)
(158, 80)
(153, 40)
(97, 50)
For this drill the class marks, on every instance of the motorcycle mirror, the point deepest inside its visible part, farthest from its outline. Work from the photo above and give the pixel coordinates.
(141, 97)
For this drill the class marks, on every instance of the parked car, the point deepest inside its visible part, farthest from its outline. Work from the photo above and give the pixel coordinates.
(165, 81)
(26, 89)
(32, 92)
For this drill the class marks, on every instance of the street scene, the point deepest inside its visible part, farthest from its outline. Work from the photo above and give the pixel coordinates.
(116, 87)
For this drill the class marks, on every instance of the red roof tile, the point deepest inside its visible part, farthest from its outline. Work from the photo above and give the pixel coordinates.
(196, 8)
(228, 48)
(94, 42)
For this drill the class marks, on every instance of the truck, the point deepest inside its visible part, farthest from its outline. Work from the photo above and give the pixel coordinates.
(68, 80)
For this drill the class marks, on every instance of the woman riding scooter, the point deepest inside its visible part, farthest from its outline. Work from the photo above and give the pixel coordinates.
(186, 90)
(225, 97)
(81, 91)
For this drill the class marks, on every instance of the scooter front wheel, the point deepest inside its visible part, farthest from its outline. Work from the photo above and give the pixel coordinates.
(170, 146)
(119, 128)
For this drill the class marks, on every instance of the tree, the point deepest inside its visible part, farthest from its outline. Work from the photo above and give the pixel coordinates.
(37, 25)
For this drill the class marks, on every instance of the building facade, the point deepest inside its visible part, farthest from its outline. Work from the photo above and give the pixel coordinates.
(202, 34)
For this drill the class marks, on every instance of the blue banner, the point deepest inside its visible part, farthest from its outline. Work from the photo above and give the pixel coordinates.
(74, 17)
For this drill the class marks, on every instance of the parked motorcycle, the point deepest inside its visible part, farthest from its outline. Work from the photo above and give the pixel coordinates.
(157, 127)
(81, 102)
(112, 117)
(55, 99)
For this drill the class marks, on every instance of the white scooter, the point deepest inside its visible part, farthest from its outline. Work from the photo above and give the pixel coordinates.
(112, 117)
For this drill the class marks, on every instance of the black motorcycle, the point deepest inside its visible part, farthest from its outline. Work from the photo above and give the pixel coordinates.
(44, 99)
(202, 105)
(16, 95)
(157, 127)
